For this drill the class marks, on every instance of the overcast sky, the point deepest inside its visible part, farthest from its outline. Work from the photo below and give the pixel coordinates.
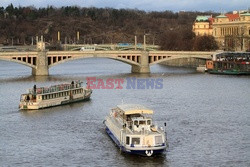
(148, 5)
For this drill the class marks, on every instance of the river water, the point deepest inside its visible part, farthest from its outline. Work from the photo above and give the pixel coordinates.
(207, 116)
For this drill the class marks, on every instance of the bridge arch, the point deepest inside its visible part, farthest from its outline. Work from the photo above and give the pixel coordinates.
(19, 62)
(70, 58)
(159, 58)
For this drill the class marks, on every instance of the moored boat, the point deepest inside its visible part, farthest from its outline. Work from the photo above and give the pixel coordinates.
(130, 126)
(229, 63)
(55, 95)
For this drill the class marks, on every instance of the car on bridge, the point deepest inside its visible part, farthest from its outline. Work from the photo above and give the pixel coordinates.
(88, 48)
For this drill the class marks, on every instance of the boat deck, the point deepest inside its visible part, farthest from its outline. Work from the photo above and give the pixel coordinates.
(119, 122)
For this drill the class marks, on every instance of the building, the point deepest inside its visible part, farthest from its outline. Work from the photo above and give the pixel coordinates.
(232, 31)
(203, 25)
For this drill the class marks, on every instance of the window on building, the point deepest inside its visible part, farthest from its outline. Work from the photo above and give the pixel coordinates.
(249, 32)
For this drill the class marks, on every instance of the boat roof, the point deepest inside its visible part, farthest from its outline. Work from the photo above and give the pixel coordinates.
(130, 109)
(233, 54)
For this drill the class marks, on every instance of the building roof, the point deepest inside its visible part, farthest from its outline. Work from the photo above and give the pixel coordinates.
(221, 16)
(232, 17)
(246, 14)
(129, 109)
(202, 18)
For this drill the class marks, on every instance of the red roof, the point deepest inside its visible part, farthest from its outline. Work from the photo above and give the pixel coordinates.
(232, 17)
(211, 20)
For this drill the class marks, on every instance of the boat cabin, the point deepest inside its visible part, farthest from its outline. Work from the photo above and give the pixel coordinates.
(52, 92)
(136, 117)
(141, 123)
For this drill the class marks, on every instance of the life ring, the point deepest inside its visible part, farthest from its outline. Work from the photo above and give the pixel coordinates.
(149, 152)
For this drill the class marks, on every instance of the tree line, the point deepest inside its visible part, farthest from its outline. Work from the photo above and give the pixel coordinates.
(171, 30)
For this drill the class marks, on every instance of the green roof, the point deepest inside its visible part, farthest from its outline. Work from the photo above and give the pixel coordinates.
(221, 16)
(202, 18)
(246, 14)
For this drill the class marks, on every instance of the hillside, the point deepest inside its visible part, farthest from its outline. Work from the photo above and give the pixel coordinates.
(172, 31)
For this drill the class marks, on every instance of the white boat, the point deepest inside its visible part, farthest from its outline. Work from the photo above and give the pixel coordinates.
(130, 126)
(55, 95)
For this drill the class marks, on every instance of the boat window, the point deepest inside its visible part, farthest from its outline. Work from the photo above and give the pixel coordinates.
(148, 122)
(136, 122)
(158, 140)
(127, 140)
(142, 122)
(136, 141)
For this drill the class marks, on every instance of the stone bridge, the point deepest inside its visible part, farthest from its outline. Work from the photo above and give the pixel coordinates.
(41, 61)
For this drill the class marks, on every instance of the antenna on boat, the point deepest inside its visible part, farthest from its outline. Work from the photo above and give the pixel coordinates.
(165, 126)
(122, 101)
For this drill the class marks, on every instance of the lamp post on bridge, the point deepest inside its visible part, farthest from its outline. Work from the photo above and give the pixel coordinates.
(77, 37)
(135, 42)
(144, 43)
(58, 36)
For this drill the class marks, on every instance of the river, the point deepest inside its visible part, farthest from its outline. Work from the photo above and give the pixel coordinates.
(207, 116)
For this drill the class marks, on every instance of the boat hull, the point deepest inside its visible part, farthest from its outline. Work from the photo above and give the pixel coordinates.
(143, 152)
(229, 72)
(37, 106)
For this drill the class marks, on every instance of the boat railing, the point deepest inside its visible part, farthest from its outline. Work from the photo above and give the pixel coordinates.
(56, 88)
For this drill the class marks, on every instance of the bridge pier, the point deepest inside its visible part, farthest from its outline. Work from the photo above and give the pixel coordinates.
(42, 67)
(144, 64)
